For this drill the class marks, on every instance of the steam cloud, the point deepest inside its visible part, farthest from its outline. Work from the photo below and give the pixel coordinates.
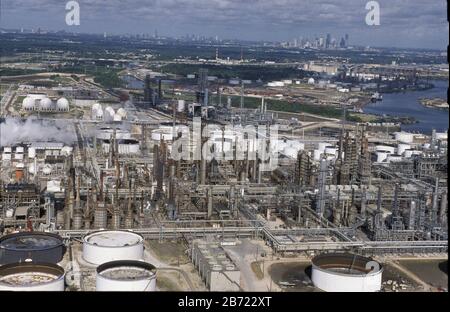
(13, 131)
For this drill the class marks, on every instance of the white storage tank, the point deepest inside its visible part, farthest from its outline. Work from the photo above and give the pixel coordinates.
(335, 272)
(385, 148)
(105, 246)
(31, 276)
(46, 104)
(382, 156)
(28, 103)
(404, 137)
(401, 148)
(126, 275)
(62, 104)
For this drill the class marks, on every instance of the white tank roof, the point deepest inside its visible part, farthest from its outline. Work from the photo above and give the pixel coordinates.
(46, 103)
(28, 103)
(62, 103)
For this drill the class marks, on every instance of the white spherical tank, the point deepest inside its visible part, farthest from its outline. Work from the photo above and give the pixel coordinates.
(105, 246)
(46, 104)
(126, 275)
(62, 104)
(31, 276)
(346, 272)
(28, 103)
(108, 114)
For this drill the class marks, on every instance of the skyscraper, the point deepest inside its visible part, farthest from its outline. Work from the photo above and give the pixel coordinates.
(328, 41)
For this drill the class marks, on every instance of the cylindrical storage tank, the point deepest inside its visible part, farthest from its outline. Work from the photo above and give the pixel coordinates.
(30, 276)
(401, 148)
(126, 275)
(382, 156)
(117, 117)
(334, 272)
(34, 246)
(404, 137)
(105, 246)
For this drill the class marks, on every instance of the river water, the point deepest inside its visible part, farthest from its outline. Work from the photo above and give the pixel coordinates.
(407, 104)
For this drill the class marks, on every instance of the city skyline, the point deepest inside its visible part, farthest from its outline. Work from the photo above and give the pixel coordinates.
(400, 25)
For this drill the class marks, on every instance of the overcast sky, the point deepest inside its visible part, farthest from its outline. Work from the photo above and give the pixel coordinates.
(404, 23)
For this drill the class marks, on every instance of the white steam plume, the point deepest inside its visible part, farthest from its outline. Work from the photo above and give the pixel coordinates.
(13, 131)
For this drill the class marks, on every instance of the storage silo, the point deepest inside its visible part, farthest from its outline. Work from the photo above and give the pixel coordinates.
(126, 275)
(105, 246)
(34, 246)
(345, 272)
(62, 104)
(30, 276)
